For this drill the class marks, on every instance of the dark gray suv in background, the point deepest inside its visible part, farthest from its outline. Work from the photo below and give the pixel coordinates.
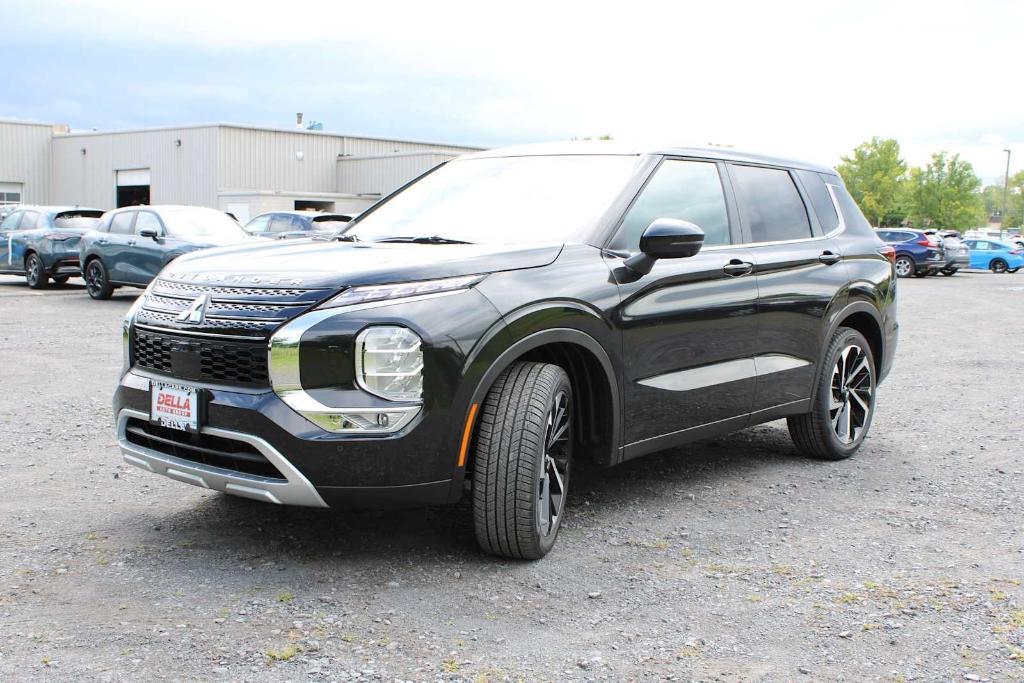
(506, 315)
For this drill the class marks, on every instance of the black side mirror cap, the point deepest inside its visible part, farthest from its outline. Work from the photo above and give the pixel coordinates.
(149, 232)
(666, 238)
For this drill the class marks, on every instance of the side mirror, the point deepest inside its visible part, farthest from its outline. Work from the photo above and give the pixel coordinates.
(149, 232)
(665, 238)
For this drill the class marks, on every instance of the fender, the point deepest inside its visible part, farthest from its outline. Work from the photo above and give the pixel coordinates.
(514, 349)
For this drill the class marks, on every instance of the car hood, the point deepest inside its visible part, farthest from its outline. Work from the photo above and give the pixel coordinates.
(319, 264)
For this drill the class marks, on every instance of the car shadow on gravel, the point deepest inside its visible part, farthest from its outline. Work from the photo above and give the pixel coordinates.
(226, 526)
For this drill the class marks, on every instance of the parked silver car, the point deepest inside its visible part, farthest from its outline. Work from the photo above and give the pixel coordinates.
(957, 255)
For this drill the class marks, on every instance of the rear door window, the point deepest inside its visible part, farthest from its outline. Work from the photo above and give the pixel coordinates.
(284, 222)
(29, 220)
(686, 190)
(770, 205)
(122, 223)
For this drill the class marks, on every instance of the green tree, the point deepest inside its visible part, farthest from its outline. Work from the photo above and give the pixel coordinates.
(874, 175)
(946, 194)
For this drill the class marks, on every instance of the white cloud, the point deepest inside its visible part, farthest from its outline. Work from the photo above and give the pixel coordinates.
(805, 79)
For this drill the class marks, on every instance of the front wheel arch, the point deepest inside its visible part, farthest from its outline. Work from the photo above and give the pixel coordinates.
(587, 364)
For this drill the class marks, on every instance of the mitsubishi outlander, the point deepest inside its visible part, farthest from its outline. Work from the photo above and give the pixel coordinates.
(507, 315)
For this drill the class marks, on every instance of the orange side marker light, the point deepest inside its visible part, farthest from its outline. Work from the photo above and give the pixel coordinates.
(467, 432)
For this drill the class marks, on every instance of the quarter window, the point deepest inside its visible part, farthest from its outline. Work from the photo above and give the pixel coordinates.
(122, 223)
(29, 220)
(770, 205)
(686, 190)
(821, 200)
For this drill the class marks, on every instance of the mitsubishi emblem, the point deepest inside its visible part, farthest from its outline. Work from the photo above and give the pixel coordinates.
(196, 313)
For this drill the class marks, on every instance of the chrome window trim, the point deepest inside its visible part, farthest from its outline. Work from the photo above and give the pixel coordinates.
(296, 489)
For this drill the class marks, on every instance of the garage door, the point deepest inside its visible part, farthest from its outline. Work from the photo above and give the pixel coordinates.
(133, 187)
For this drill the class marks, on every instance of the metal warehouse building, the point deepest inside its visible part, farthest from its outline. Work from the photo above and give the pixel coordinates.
(241, 169)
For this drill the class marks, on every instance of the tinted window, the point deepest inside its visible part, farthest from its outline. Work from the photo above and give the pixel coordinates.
(258, 224)
(824, 209)
(687, 190)
(76, 220)
(852, 216)
(122, 223)
(11, 222)
(770, 204)
(148, 220)
(29, 220)
(283, 222)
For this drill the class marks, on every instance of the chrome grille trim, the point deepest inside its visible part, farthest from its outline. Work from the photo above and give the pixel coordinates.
(195, 290)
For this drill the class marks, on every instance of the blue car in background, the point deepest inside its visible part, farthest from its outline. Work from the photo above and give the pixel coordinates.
(41, 242)
(130, 246)
(999, 257)
(916, 253)
(283, 225)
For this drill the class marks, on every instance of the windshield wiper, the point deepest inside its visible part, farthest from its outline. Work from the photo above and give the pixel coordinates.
(433, 239)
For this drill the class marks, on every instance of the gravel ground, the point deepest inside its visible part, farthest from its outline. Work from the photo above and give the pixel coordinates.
(731, 560)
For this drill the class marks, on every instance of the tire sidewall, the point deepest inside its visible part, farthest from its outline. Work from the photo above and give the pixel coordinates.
(843, 338)
(998, 266)
(34, 260)
(545, 543)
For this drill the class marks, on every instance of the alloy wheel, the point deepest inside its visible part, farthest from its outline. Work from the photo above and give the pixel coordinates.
(998, 267)
(555, 468)
(904, 267)
(853, 385)
(94, 278)
(33, 270)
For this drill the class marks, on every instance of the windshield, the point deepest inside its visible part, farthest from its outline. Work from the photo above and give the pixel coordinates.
(502, 200)
(197, 222)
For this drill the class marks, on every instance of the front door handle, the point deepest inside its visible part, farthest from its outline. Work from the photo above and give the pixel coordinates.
(828, 258)
(737, 267)
(131, 243)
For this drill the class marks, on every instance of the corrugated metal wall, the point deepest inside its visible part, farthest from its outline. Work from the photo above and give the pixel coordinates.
(25, 159)
(185, 174)
(380, 175)
(253, 158)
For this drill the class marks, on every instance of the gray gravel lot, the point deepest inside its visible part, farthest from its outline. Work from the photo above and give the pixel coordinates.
(729, 560)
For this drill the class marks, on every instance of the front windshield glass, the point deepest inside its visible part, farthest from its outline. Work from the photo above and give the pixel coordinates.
(197, 222)
(502, 200)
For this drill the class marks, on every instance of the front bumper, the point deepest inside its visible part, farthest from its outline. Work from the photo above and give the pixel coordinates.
(316, 468)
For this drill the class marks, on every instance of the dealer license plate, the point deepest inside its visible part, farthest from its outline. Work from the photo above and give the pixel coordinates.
(174, 406)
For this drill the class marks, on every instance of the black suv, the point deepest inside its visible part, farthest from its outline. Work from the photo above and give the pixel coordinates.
(505, 315)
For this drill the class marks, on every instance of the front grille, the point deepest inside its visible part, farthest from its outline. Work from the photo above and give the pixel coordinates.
(205, 449)
(202, 360)
(232, 311)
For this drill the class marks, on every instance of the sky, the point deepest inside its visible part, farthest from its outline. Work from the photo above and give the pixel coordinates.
(809, 80)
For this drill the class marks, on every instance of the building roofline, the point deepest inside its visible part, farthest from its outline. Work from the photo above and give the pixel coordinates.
(244, 126)
(25, 122)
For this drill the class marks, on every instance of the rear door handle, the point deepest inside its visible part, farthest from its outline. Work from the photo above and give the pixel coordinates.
(828, 258)
(102, 241)
(736, 267)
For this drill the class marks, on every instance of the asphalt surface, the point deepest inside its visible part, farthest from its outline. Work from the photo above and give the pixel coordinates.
(732, 560)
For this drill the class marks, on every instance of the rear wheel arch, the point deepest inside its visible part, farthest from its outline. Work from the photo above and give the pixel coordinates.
(865, 318)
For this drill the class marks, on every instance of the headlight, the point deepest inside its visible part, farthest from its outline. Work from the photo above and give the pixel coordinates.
(389, 362)
(362, 295)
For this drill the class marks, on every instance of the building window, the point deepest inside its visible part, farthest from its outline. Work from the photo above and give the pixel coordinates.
(10, 193)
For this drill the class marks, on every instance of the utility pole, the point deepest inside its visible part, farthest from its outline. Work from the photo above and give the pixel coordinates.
(1006, 187)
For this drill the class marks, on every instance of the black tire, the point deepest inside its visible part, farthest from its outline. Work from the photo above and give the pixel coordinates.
(96, 281)
(60, 280)
(34, 274)
(1011, 271)
(949, 272)
(818, 434)
(998, 265)
(904, 266)
(525, 430)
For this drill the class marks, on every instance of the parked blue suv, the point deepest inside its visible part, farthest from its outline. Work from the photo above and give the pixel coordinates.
(916, 253)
